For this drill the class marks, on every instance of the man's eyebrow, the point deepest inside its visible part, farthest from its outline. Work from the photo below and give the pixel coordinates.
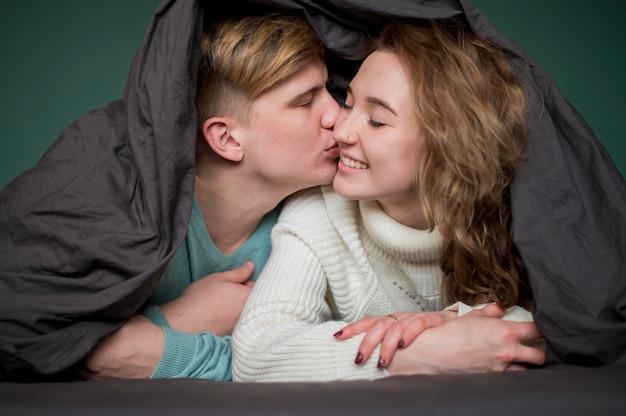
(378, 102)
(312, 90)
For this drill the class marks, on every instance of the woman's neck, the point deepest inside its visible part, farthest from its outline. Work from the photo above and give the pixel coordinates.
(406, 210)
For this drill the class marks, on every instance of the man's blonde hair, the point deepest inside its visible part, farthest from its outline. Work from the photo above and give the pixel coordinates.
(243, 57)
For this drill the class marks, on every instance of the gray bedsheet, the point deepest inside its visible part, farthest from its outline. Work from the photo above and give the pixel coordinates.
(558, 390)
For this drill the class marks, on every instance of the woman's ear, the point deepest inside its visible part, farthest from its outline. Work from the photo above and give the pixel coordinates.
(217, 132)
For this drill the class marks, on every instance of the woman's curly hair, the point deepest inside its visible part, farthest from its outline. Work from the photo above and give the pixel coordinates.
(472, 115)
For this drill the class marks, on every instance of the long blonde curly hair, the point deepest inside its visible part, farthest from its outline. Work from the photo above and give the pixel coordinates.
(472, 113)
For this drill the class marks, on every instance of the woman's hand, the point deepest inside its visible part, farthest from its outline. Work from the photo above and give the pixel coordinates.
(477, 342)
(393, 331)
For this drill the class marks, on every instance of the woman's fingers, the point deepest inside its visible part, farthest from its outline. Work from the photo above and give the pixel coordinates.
(391, 332)
(394, 339)
(378, 330)
(355, 328)
(408, 327)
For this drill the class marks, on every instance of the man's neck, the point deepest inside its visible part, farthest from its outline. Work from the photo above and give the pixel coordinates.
(232, 209)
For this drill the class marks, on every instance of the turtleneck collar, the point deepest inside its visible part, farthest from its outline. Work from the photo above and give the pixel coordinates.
(397, 239)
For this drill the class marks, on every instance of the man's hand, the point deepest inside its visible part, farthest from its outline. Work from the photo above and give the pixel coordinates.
(476, 342)
(211, 304)
(133, 351)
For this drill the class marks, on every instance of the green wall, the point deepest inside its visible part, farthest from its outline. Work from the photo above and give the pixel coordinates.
(581, 44)
(60, 59)
(63, 58)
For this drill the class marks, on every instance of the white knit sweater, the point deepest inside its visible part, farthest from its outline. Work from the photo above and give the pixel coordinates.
(333, 261)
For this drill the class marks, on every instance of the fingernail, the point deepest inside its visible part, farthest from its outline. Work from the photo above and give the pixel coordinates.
(337, 334)
(381, 362)
(359, 358)
(401, 343)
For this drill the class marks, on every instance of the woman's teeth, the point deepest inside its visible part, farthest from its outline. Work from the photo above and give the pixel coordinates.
(355, 164)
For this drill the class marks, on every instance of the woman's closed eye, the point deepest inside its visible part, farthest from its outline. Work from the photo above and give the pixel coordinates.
(374, 123)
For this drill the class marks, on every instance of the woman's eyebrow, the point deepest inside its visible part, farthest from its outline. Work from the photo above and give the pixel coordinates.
(381, 103)
(376, 101)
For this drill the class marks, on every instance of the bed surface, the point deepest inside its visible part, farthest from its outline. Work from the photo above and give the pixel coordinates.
(564, 389)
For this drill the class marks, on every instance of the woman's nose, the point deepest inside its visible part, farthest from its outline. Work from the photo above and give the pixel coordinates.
(344, 131)
(348, 138)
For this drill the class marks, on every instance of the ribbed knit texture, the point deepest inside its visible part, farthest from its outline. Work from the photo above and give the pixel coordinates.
(329, 267)
(403, 255)
(333, 262)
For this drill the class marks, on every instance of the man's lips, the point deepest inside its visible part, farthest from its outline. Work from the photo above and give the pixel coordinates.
(333, 151)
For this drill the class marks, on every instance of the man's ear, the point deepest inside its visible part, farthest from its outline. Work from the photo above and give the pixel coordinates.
(217, 132)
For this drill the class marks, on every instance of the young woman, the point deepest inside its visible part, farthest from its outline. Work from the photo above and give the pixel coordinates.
(419, 219)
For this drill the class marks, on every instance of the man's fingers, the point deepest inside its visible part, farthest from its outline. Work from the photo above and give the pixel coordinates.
(516, 367)
(529, 331)
(493, 310)
(531, 355)
(241, 274)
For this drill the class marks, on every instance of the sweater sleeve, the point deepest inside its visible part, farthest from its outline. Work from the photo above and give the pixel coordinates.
(200, 355)
(286, 329)
(514, 313)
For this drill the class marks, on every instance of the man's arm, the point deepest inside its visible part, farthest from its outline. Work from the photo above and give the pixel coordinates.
(191, 336)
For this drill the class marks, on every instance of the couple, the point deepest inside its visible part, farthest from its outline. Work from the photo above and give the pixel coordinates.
(269, 128)
(429, 142)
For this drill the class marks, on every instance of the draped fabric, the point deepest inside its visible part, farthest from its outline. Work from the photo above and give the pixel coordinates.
(86, 232)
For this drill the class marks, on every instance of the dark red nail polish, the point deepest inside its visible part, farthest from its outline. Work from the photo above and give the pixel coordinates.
(381, 362)
(401, 343)
(359, 358)
(337, 334)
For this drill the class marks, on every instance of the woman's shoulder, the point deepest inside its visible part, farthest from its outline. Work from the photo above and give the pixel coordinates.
(306, 200)
(315, 206)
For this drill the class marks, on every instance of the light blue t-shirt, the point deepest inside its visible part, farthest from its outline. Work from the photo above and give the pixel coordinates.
(202, 355)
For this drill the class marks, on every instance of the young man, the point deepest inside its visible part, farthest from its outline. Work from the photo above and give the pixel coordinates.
(264, 121)
(264, 132)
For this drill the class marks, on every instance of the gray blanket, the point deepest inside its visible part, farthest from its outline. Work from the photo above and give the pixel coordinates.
(86, 233)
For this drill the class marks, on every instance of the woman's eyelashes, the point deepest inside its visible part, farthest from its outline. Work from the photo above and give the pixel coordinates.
(374, 123)
(347, 105)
